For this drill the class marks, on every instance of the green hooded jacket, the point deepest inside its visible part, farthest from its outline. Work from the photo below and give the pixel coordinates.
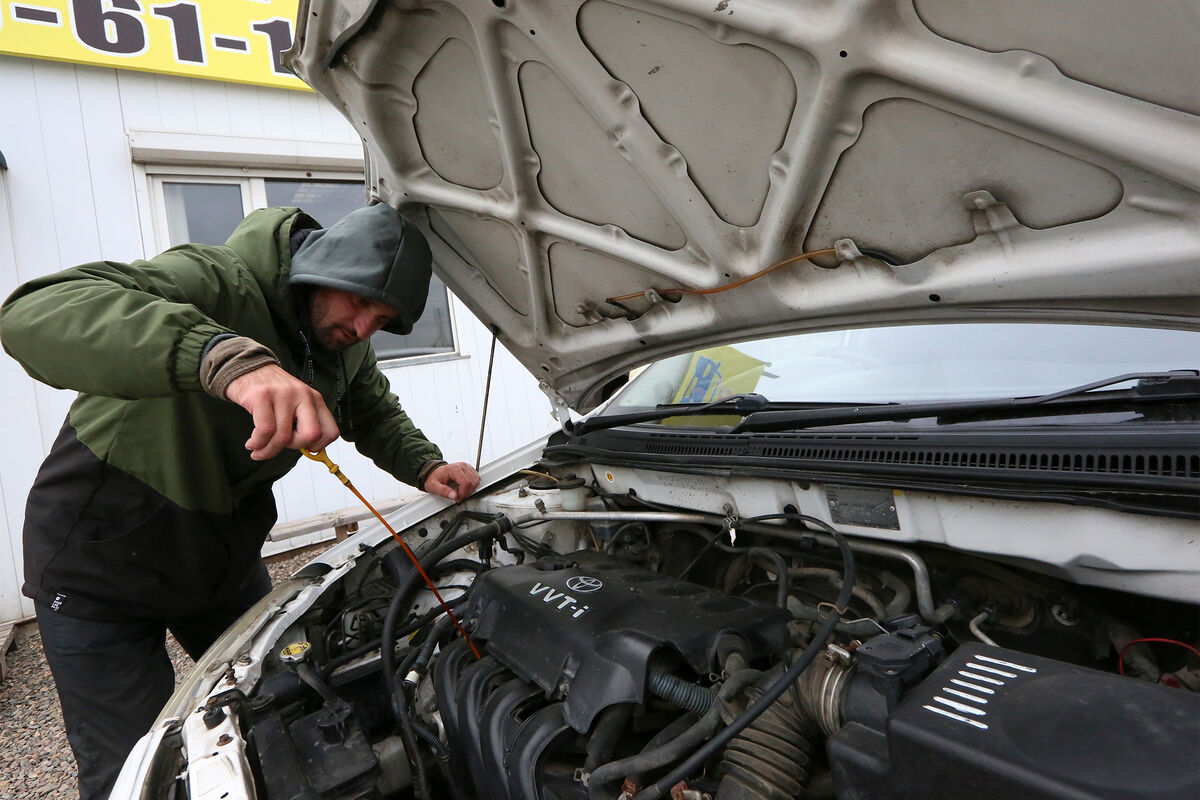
(130, 338)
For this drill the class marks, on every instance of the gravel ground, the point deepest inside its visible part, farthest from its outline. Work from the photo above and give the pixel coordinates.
(35, 759)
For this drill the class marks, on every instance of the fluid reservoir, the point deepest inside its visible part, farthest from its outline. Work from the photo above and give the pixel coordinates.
(539, 494)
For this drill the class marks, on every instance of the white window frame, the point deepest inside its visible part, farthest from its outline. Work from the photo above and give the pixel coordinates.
(156, 237)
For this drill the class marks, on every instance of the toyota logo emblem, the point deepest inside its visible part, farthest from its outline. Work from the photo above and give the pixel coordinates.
(584, 584)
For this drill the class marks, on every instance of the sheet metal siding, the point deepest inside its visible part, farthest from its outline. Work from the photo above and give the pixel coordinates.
(71, 194)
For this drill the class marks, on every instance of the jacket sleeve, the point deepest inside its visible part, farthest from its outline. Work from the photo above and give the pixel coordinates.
(124, 330)
(380, 429)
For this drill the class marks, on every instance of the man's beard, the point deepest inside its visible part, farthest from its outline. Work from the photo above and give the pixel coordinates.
(330, 336)
(329, 339)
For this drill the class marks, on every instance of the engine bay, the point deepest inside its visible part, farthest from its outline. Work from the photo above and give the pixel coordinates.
(619, 646)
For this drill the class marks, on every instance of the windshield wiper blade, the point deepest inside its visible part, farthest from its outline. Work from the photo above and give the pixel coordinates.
(1151, 387)
(741, 404)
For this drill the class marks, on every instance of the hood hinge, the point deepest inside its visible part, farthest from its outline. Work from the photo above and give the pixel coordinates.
(558, 406)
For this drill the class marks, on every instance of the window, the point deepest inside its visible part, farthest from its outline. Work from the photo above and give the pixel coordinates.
(206, 209)
(201, 212)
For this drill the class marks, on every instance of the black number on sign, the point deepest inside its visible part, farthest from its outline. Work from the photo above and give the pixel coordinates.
(109, 26)
(185, 30)
(279, 34)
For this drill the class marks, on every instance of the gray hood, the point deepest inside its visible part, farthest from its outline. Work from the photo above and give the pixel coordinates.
(609, 182)
(373, 252)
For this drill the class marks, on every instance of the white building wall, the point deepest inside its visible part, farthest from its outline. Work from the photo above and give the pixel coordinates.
(72, 194)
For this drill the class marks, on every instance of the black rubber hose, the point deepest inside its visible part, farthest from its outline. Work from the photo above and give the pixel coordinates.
(410, 581)
(312, 676)
(673, 729)
(653, 758)
(425, 652)
(409, 740)
(781, 567)
(855, 628)
(772, 759)
(441, 756)
(430, 738)
(667, 734)
(676, 690)
(374, 644)
(781, 572)
(772, 692)
(608, 729)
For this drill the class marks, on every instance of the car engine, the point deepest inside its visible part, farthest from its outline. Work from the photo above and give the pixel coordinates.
(618, 647)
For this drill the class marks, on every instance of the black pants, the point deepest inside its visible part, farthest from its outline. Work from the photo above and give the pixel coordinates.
(113, 678)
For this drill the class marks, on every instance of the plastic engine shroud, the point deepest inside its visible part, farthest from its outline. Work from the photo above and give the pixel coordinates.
(585, 625)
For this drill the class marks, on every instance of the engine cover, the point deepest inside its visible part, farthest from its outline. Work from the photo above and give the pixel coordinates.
(992, 724)
(584, 626)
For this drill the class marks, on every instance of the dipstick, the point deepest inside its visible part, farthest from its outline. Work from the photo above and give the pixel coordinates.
(336, 471)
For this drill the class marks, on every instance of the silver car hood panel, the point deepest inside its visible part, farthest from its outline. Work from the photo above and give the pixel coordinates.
(1027, 160)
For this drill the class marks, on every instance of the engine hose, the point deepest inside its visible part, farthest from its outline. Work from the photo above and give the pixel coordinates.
(609, 725)
(676, 690)
(781, 568)
(854, 628)
(426, 650)
(409, 740)
(412, 654)
(667, 734)
(901, 594)
(441, 756)
(430, 738)
(781, 572)
(408, 583)
(835, 580)
(772, 758)
(772, 693)
(374, 644)
(654, 758)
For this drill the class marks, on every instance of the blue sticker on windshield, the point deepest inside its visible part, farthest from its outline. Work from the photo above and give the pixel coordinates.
(705, 373)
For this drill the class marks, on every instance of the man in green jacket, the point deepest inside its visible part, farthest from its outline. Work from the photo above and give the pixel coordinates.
(201, 374)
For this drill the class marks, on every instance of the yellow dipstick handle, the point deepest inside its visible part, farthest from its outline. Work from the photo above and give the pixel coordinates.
(321, 457)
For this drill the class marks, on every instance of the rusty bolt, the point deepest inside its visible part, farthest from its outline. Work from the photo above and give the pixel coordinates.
(224, 739)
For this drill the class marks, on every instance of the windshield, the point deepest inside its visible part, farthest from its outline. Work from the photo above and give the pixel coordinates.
(914, 363)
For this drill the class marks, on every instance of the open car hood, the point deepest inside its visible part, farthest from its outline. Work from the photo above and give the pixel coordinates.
(1030, 160)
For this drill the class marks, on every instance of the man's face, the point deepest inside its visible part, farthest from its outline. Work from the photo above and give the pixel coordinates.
(341, 318)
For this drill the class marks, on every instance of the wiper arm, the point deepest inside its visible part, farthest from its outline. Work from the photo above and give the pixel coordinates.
(737, 404)
(1152, 386)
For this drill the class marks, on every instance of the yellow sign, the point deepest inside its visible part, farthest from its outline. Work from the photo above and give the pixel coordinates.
(712, 375)
(225, 40)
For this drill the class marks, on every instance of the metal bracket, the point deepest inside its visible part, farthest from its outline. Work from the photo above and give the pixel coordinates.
(589, 314)
(558, 406)
(654, 297)
(990, 216)
(846, 252)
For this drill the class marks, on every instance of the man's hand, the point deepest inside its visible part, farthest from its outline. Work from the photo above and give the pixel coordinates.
(455, 482)
(287, 413)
